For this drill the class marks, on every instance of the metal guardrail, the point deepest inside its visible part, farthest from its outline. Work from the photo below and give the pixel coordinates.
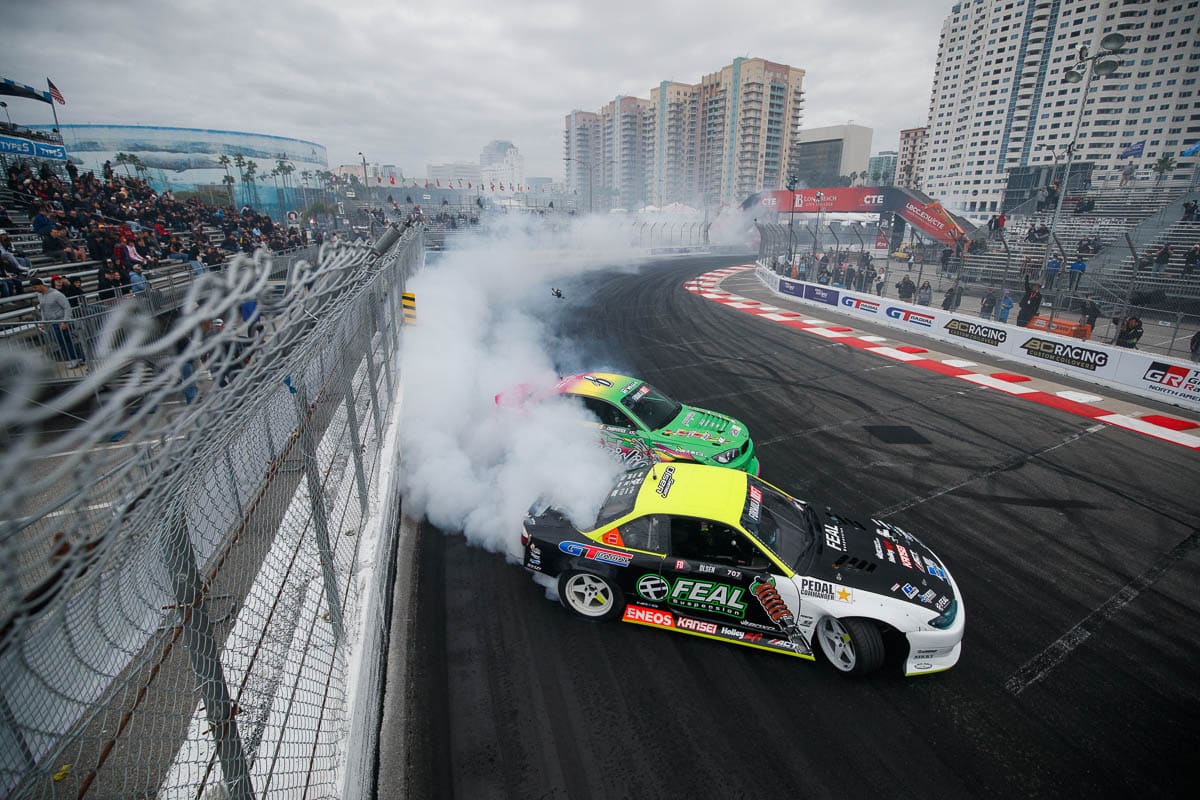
(180, 594)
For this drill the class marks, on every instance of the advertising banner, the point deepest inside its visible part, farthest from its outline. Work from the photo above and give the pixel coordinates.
(16, 146)
(1141, 373)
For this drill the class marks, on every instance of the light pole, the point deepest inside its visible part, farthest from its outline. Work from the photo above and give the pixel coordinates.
(791, 186)
(820, 198)
(1087, 66)
(591, 177)
(4, 105)
(367, 193)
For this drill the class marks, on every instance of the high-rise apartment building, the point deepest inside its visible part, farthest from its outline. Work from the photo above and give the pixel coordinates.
(1000, 101)
(881, 168)
(910, 161)
(582, 153)
(822, 155)
(713, 142)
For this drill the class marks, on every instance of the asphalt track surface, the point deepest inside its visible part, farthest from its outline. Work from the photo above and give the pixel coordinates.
(1076, 548)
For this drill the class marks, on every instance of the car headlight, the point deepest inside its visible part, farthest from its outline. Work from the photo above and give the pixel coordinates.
(946, 618)
(727, 456)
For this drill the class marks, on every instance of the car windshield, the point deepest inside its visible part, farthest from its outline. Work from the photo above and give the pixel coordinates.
(784, 525)
(622, 497)
(651, 406)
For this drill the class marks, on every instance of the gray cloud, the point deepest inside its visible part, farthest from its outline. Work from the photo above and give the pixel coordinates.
(412, 83)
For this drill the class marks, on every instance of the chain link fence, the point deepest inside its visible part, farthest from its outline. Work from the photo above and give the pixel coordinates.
(183, 611)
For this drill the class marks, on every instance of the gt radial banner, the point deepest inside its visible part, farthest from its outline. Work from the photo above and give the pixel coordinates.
(15, 146)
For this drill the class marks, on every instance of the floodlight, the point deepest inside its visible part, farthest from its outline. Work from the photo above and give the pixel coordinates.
(1073, 75)
(1113, 41)
(1106, 67)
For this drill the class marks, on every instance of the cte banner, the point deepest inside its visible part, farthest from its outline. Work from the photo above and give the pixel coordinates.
(926, 214)
(14, 146)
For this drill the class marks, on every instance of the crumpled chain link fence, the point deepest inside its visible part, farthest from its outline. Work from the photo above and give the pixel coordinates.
(179, 576)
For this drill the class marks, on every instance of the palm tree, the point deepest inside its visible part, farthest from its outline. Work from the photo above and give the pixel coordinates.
(127, 160)
(274, 173)
(240, 163)
(1161, 167)
(251, 170)
(229, 181)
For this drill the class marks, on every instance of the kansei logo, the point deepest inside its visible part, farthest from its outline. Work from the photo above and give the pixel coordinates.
(910, 316)
(1173, 376)
(869, 306)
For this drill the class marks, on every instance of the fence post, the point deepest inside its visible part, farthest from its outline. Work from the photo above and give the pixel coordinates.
(237, 496)
(360, 476)
(373, 380)
(180, 561)
(308, 450)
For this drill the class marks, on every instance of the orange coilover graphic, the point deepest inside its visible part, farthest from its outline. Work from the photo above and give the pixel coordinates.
(773, 604)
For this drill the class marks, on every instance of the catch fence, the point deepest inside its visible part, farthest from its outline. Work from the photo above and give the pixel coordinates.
(184, 534)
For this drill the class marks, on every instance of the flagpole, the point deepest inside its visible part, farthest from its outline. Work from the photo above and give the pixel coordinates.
(54, 111)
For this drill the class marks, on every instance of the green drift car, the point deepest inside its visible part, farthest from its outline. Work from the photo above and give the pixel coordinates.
(642, 424)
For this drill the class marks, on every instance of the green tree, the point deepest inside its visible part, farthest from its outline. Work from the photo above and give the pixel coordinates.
(1161, 167)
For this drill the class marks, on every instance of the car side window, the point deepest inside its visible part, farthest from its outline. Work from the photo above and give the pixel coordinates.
(646, 533)
(607, 414)
(705, 540)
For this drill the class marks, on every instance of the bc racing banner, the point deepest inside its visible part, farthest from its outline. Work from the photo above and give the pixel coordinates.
(15, 146)
(1146, 374)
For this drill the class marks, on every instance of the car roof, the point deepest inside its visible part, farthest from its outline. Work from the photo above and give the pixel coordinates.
(699, 490)
(606, 385)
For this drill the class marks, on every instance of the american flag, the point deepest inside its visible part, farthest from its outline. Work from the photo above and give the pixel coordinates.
(55, 93)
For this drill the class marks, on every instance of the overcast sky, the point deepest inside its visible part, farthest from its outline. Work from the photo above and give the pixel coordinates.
(410, 83)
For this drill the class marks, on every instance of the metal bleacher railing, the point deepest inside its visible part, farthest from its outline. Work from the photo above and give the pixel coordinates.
(184, 606)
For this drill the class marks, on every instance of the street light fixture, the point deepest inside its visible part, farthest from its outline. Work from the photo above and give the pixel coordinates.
(791, 186)
(1087, 67)
(4, 105)
(367, 195)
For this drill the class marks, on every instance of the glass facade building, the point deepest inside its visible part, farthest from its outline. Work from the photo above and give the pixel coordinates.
(188, 159)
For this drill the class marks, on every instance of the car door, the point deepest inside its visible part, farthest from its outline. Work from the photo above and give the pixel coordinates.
(720, 582)
(619, 431)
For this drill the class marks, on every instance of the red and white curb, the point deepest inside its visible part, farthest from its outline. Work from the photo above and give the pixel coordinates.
(1169, 429)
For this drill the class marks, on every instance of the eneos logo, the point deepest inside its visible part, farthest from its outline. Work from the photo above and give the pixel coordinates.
(869, 306)
(910, 316)
(595, 553)
(649, 616)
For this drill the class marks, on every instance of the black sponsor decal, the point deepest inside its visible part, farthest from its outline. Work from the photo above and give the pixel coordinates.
(666, 481)
(605, 382)
(1070, 354)
(984, 334)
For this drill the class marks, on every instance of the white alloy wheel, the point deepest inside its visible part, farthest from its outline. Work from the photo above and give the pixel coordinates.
(588, 595)
(853, 646)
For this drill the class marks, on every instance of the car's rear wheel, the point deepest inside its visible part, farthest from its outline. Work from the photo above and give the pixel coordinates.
(853, 646)
(590, 596)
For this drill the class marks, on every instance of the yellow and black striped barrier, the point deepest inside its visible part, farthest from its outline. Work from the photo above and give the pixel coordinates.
(409, 301)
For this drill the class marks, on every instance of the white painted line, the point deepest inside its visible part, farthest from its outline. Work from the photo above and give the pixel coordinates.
(828, 334)
(739, 304)
(779, 317)
(1079, 397)
(899, 355)
(996, 383)
(873, 338)
(1141, 426)
(770, 308)
(816, 321)
(961, 363)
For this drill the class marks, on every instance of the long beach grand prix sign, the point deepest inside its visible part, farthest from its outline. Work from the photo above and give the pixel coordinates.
(1131, 370)
(928, 216)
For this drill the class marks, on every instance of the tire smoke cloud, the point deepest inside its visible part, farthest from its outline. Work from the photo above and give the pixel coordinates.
(486, 326)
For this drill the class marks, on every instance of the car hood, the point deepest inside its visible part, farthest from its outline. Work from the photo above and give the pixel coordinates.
(882, 558)
(698, 431)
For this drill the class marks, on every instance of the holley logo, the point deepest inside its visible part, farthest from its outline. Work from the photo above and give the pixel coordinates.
(911, 317)
(869, 306)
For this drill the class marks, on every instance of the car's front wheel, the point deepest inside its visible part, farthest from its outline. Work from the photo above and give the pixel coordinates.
(853, 646)
(590, 596)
